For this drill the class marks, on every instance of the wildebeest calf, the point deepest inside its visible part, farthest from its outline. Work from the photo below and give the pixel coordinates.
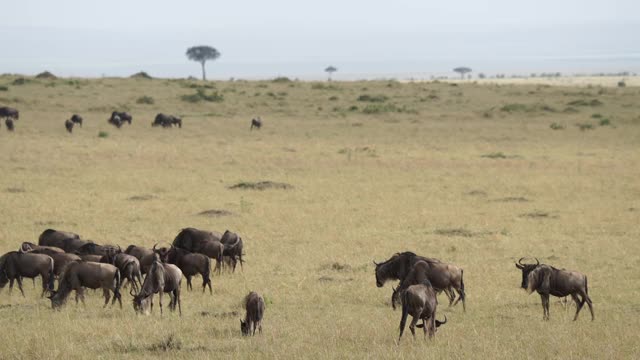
(420, 302)
(256, 122)
(254, 305)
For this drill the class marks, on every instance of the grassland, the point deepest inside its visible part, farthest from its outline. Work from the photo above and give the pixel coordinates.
(469, 173)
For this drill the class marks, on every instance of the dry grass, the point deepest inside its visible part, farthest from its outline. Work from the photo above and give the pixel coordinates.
(421, 184)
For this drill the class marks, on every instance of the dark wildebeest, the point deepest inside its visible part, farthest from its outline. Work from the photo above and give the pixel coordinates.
(80, 274)
(161, 278)
(15, 265)
(420, 302)
(398, 267)
(129, 267)
(254, 305)
(9, 113)
(166, 121)
(122, 116)
(256, 122)
(191, 264)
(203, 242)
(60, 258)
(9, 123)
(68, 124)
(547, 280)
(90, 257)
(442, 276)
(77, 119)
(91, 248)
(67, 241)
(37, 249)
(233, 248)
(115, 120)
(143, 254)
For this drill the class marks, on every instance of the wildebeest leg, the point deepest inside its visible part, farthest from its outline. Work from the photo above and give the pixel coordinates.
(80, 293)
(107, 296)
(189, 286)
(10, 286)
(545, 306)
(19, 280)
(412, 326)
(588, 299)
(425, 328)
(579, 304)
(160, 301)
(177, 297)
(260, 326)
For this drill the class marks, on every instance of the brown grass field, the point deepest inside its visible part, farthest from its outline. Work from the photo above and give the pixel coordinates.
(468, 173)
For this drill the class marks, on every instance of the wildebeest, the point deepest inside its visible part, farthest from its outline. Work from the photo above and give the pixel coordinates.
(421, 303)
(143, 254)
(129, 267)
(68, 124)
(122, 116)
(191, 264)
(203, 242)
(254, 306)
(166, 120)
(9, 113)
(547, 280)
(91, 248)
(256, 122)
(115, 120)
(77, 119)
(233, 248)
(90, 257)
(161, 278)
(80, 274)
(15, 265)
(442, 277)
(9, 123)
(37, 249)
(67, 241)
(60, 258)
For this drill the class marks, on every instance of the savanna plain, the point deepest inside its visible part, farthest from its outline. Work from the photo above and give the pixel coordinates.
(478, 175)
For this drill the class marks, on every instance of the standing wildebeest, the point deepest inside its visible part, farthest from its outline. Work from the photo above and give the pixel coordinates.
(398, 267)
(233, 247)
(256, 122)
(143, 254)
(91, 248)
(60, 258)
(76, 119)
(37, 249)
(166, 121)
(203, 242)
(122, 116)
(191, 264)
(67, 241)
(442, 277)
(15, 265)
(254, 305)
(115, 120)
(420, 302)
(90, 257)
(161, 278)
(68, 124)
(80, 274)
(547, 280)
(129, 267)
(9, 113)
(9, 123)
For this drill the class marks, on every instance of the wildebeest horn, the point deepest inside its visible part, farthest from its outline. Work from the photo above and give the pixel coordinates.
(520, 261)
(438, 323)
(375, 263)
(154, 247)
(21, 250)
(537, 261)
(131, 292)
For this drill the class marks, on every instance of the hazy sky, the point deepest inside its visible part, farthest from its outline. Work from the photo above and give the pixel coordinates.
(299, 38)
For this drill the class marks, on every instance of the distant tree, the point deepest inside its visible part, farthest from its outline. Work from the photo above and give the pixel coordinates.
(462, 71)
(201, 54)
(330, 70)
(481, 76)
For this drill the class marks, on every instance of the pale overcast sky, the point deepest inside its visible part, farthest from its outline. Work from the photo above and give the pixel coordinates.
(298, 38)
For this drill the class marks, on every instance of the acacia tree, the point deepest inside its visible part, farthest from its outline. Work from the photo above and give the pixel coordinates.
(330, 70)
(201, 54)
(462, 70)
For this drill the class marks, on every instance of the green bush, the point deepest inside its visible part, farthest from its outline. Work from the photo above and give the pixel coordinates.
(145, 100)
(605, 122)
(4, 88)
(103, 134)
(372, 98)
(281, 79)
(556, 126)
(585, 126)
(201, 95)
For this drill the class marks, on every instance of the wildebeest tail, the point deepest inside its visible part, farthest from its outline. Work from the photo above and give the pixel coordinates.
(117, 278)
(405, 310)
(586, 289)
(462, 294)
(50, 285)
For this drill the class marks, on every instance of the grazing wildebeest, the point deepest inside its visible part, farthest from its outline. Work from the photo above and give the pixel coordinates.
(547, 280)
(420, 302)
(77, 119)
(233, 247)
(203, 242)
(398, 267)
(9, 113)
(161, 278)
(122, 116)
(129, 267)
(254, 306)
(166, 121)
(442, 276)
(191, 264)
(9, 123)
(80, 274)
(256, 122)
(115, 120)
(15, 265)
(68, 124)
(67, 241)
(37, 249)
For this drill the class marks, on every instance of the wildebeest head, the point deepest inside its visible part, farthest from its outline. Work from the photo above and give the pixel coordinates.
(244, 327)
(387, 270)
(526, 269)
(141, 303)
(161, 254)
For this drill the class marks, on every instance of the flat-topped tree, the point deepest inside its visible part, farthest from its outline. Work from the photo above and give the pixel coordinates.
(462, 70)
(201, 54)
(330, 70)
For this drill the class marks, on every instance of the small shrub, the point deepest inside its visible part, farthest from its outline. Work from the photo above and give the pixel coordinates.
(145, 100)
(621, 83)
(201, 95)
(570, 110)
(372, 98)
(596, 116)
(514, 108)
(605, 122)
(585, 126)
(4, 88)
(46, 75)
(353, 108)
(495, 155)
(21, 81)
(556, 126)
(582, 102)
(333, 98)
(103, 134)
(141, 75)
(281, 79)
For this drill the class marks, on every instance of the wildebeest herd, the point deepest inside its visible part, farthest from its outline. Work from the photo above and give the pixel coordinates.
(422, 278)
(80, 264)
(117, 119)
